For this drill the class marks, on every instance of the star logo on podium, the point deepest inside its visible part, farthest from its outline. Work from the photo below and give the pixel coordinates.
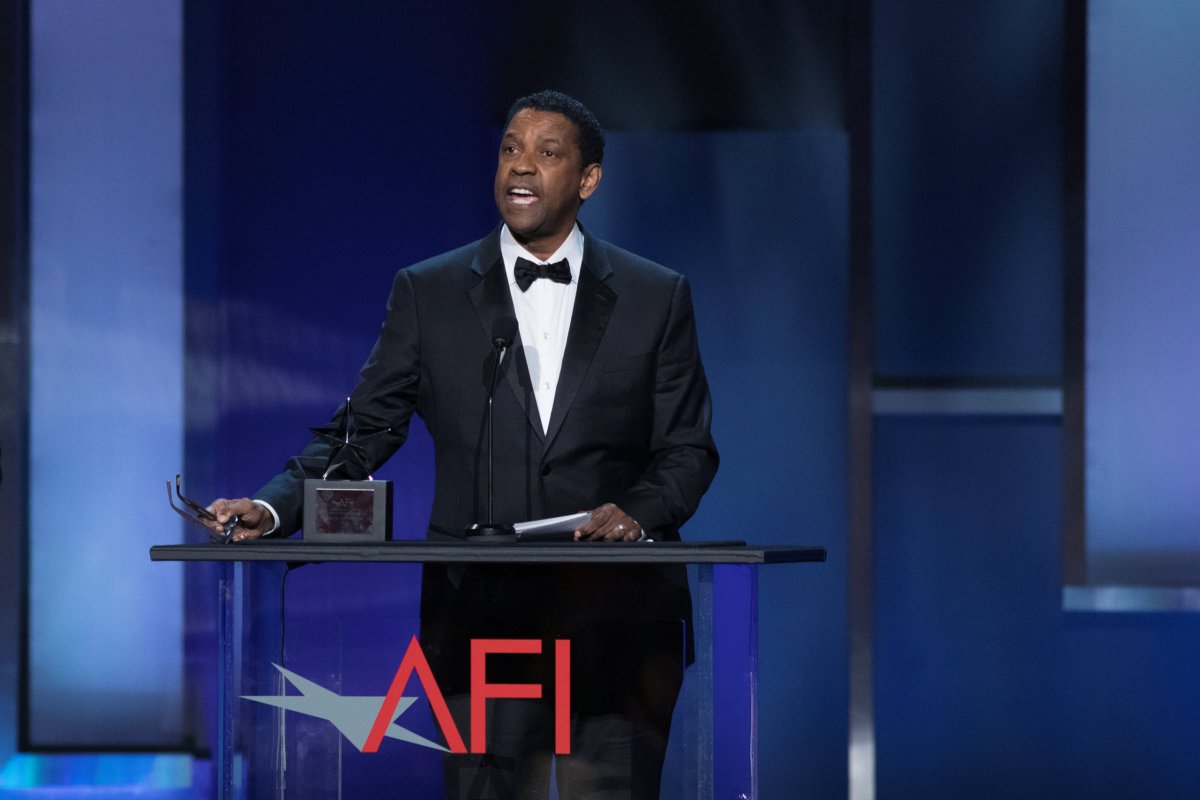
(352, 715)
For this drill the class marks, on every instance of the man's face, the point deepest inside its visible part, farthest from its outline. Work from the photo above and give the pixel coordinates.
(541, 180)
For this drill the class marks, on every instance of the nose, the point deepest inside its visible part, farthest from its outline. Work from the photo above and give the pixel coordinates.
(524, 164)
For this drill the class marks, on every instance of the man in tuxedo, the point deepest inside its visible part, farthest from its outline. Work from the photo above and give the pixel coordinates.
(605, 408)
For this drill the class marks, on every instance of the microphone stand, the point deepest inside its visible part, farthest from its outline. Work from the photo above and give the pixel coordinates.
(490, 529)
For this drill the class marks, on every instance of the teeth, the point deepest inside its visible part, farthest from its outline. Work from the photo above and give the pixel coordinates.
(522, 192)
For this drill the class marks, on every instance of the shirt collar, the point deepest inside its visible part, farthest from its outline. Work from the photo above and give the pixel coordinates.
(571, 249)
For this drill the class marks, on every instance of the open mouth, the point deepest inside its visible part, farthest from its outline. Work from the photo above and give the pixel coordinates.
(520, 196)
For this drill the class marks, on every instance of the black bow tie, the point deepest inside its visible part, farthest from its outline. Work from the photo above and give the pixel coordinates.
(527, 272)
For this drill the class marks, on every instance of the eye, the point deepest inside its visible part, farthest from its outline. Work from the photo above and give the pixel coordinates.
(549, 153)
(508, 149)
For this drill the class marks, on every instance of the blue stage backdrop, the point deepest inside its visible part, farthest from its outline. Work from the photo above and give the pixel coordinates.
(984, 686)
(328, 145)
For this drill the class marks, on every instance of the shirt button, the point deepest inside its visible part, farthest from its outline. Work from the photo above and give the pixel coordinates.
(546, 385)
(546, 335)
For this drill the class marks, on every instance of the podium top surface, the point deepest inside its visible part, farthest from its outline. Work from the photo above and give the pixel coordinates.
(495, 553)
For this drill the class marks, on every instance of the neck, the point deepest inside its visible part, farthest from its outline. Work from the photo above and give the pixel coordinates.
(543, 247)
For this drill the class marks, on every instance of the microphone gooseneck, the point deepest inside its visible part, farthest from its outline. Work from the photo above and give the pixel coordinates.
(504, 330)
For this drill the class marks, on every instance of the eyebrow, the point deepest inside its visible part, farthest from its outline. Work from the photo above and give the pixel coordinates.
(546, 140)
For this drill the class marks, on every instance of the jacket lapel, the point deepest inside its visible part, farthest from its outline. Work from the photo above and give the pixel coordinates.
(492, 300)
(594, 302)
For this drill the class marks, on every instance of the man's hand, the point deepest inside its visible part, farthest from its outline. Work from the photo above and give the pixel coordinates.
(255, 520)
(610, 524)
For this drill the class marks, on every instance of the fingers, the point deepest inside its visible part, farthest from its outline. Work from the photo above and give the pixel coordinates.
(609, 523)
(253, 519)
(590, 529)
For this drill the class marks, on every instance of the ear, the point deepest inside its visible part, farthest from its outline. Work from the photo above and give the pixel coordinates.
(589, 181)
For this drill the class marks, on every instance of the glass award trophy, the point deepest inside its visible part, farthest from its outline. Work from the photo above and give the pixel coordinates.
(347, 511)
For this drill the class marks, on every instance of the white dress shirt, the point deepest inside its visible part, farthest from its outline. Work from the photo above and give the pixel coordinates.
(543, 314)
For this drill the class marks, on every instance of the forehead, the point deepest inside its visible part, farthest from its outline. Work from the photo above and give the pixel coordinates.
(542, 125)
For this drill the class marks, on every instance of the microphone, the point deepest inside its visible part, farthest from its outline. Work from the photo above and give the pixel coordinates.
(504, 330)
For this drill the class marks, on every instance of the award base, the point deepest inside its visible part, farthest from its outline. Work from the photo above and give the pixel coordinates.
(347, 511)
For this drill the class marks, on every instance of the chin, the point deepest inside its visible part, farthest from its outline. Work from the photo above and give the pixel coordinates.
(522, 232)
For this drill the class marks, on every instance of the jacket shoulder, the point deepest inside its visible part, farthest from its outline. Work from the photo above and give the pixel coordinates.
(631, 266)
(456, 260)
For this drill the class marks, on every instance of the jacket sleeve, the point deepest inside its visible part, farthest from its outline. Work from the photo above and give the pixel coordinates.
(684, 457)
(383, 402)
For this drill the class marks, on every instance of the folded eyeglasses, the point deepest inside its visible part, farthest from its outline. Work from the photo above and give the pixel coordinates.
(200, 515)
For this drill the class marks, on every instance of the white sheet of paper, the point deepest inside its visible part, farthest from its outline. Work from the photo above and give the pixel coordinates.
(566, 524)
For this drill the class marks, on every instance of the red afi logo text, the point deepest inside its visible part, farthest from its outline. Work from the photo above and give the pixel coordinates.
(481, 691)
(367, 721)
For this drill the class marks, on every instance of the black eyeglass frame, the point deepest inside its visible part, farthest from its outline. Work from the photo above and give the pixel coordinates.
(200, 515)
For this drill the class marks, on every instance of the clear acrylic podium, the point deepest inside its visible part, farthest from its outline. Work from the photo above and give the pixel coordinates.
(307, 656)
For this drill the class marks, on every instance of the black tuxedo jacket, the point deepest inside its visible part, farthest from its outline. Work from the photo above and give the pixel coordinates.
(630, 425)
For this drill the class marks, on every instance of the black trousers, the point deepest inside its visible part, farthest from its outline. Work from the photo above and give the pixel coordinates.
(626, 670)
(614, 756)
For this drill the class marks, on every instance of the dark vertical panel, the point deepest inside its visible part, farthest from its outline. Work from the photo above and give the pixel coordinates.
(205, 113)
(14, 345)
(13, 132)
(967, 170)
(861, 380)
(1074, 535)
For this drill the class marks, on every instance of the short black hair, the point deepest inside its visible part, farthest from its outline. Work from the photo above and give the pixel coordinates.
(587, 128)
